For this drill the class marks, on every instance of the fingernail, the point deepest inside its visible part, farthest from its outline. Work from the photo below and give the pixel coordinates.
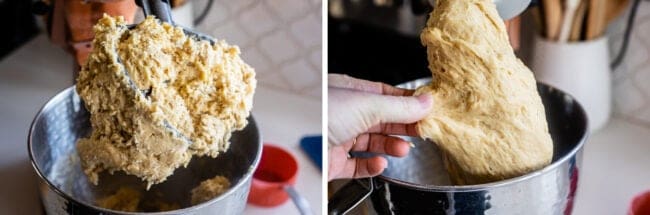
(425, 100)
(412, 144)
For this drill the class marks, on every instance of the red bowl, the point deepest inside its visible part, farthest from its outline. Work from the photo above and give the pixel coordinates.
(277, 169)
(640, 204)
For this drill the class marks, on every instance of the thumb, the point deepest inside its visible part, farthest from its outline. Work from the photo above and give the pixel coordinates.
(351, 113)
(396, 109)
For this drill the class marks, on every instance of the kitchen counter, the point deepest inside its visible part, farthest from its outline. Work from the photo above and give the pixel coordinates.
(616, 167)
(38, 70)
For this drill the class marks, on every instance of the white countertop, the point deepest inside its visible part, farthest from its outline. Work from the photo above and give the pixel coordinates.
(38, 70)
(616, 167)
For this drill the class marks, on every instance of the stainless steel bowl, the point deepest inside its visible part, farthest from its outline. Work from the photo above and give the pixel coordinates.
(418, 183)
(64, 189)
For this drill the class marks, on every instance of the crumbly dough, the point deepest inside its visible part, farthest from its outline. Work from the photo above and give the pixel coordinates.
(488, 118)
(157, 205)
(131, 200)
(190, 96)
(209, 189)
(125, 199)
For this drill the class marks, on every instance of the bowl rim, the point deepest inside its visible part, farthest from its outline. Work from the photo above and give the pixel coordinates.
(72, 91)
(502, 183)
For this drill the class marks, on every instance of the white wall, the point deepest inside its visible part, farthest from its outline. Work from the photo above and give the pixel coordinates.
(631, 81)
(281, 39)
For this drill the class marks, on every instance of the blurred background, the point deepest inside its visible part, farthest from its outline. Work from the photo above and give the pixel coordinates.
(40, 55)
(603, 59)
(281, 39)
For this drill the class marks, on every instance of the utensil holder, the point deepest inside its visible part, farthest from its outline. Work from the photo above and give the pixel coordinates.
(580, 69)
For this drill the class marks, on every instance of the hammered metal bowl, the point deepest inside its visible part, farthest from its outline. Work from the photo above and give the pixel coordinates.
(65, 189)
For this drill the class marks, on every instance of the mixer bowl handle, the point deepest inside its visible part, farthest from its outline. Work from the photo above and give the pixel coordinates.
(350, 195)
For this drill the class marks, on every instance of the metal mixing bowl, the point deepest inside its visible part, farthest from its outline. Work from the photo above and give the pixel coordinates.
(418, 183)
(64, 188)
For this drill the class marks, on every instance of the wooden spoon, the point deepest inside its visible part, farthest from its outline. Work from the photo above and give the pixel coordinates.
(596, 20)
(570, 7)
(553, 19)
(615, 8)
(578, 22)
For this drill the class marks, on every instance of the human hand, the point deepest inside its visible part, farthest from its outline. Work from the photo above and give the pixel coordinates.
(361, 116)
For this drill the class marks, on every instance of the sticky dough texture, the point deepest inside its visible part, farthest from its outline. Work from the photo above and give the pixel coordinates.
(204, 91)
(488, 119)
(209, 189)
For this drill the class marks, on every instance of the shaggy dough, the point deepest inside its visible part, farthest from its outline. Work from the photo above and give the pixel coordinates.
(131, 200)
(125, 199)
(190, 96)
(209, 189)
(488, 118)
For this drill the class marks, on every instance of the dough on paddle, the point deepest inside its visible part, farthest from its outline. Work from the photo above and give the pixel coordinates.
(204, 91)
(488, 119)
